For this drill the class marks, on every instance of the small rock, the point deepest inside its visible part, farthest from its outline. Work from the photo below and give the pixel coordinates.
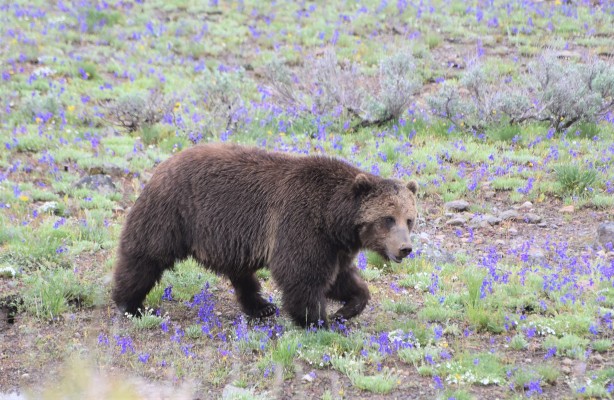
(542, 225)
(435, 255)
(566, 370)
(500, 242)
(100, 183)
(579, 369)
(509, 214)
(489, 195)
(424, 237)
(536, 256)
(513, 231)
(106, 169)
(526, 206)
(567, 361)
(605, 235)
(492, 220)
(308, 378)
(567, 209)
(458, 221)
(484, 220)
(531, 218)
(457, 205)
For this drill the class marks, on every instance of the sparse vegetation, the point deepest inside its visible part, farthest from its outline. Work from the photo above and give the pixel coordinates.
(473, 100)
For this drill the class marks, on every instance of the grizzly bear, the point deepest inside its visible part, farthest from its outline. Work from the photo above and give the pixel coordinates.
(237, 209)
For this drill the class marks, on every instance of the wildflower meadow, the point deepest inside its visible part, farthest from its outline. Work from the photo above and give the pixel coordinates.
(501, 110)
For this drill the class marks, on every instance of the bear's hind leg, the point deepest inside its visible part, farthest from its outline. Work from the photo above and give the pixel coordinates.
(351, 289)
(133, 278)
(247, 289)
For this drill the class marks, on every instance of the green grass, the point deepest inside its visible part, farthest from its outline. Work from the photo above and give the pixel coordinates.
(567, 345)
(349, 366)
(146, 320)
(602, 345)
(481, 368)
(186, 279)
(575, 180)
(399, 307)
(283, 354)
(504, 132)
(518, 342)
(436, 314)
(380, 383)
(49, 294)
(507, 183)
(65, 71)
(194, 331)
(370, 274)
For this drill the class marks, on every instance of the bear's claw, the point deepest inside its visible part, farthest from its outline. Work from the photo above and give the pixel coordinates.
(266, 310)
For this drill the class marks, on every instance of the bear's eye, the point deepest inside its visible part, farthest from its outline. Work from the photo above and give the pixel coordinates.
(389, 221)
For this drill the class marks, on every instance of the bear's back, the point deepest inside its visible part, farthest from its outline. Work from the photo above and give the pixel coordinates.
(233, 200)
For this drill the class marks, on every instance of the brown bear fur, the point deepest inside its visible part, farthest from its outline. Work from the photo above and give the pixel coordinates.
(236, 210)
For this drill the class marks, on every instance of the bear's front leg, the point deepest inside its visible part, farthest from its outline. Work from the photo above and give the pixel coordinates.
(247, 290)
(304, 265)
(351, 289)
(306, 306)
(303, 278)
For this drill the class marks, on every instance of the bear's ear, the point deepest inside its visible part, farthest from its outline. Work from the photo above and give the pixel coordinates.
(362, 184)
(413, 186)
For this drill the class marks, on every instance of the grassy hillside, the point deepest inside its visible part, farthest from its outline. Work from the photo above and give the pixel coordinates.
(508, 105)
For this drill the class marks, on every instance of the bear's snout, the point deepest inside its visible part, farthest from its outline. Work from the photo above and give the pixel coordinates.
(404, 251)
(399, 245)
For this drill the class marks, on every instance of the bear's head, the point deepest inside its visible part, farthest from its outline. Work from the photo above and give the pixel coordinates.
(386, 216)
